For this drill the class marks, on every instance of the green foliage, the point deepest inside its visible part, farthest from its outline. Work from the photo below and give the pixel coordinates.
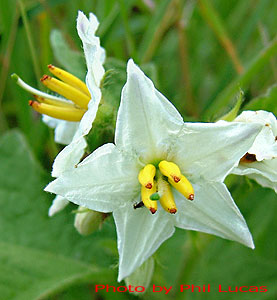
(41, 255)
(268, 101)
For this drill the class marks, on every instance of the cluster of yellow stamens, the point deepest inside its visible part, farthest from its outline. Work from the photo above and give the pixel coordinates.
(74, 90)
(156, 185)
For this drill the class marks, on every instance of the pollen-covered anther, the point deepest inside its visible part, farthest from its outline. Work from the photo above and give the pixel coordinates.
(170, 170)
(166, 199)
(145, 198)
(176, 179)
(146, 176)
(66, 90)
(57, 112)
(69, 79)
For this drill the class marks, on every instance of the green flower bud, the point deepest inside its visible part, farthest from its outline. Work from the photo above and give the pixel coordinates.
(87, 221)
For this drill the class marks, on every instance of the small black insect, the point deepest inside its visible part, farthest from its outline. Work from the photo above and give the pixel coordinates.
(138, 205)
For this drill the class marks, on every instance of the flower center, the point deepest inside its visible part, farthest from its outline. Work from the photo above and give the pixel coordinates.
(74, 90)
(156, 185)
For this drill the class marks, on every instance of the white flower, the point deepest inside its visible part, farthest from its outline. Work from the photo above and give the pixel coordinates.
(260, 162)
(152, 137)
(72, 115)
(95, 56)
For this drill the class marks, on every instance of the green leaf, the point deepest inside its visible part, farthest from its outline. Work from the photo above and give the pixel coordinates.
(32, 274)
(72, 61)
(265, 102)
(31, 241)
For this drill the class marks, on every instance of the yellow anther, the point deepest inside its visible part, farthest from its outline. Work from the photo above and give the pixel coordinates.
(66, 90)
(61, 103)
(62, 113)
(167, 199)
(69, 79)
(170, 170)
(184, 187)
(145, 198)
(146, 176)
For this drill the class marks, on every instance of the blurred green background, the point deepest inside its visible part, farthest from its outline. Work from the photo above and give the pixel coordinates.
(199, 54)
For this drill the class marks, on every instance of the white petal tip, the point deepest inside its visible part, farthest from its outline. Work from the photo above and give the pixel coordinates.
(51, 212)
(48, 188)
(249, 242)
(85, 25)
(251, 245)
(59, 203)
(120, 278)
(132, 67)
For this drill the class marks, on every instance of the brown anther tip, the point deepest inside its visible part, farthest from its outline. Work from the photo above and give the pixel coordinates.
(153, 210)
(149, 186)
(31, 102)
(173, 210)
(267, 125)
(51, 67)
(191, 197)
(176, 179)
(44, 77)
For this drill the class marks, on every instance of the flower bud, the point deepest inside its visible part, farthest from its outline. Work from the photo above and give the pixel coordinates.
(87, 221)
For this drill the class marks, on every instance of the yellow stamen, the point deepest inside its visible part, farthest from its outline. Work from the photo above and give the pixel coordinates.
(61, 103)
(170, 170)
(184, 187)
(62, 113)
(146, 176)
(66, 90)
(145, 197)
(167, 199)
(69, 79)
(176, 179)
